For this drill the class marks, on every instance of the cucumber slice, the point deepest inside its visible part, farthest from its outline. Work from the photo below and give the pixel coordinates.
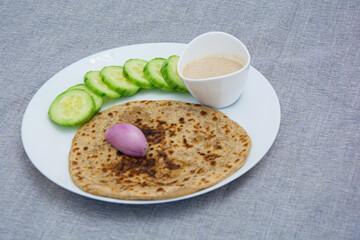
(113, 76)
(152, 72)
(133, 70)
(72, 107)
(170, 74)
(93, 81)
(97, 98)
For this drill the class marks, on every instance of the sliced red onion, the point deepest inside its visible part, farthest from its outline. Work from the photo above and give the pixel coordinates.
(128, 139)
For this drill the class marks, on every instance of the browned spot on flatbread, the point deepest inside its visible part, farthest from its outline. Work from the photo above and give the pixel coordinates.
(211, 157)
(153, 135)
(203, 113)
(186, 144)
(75, 149)
(160, 190)
(130, 165)
(217, 146)
(170, 165)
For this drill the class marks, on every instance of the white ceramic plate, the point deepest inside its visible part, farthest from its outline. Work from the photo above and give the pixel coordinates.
(47, 145)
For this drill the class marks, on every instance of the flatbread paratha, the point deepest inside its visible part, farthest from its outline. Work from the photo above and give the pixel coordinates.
(191, 147)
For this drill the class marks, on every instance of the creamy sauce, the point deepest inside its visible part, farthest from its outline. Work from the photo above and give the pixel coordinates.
(211, 66)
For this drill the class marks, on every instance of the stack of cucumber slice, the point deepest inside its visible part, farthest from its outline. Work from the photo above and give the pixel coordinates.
(79, 103)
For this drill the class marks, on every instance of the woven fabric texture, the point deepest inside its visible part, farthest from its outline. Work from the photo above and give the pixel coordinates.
(305, 187)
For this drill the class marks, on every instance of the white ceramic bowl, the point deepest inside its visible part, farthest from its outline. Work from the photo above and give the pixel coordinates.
(218, 91)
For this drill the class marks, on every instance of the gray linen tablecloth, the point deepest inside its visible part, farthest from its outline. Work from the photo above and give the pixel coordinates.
(307, 185)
